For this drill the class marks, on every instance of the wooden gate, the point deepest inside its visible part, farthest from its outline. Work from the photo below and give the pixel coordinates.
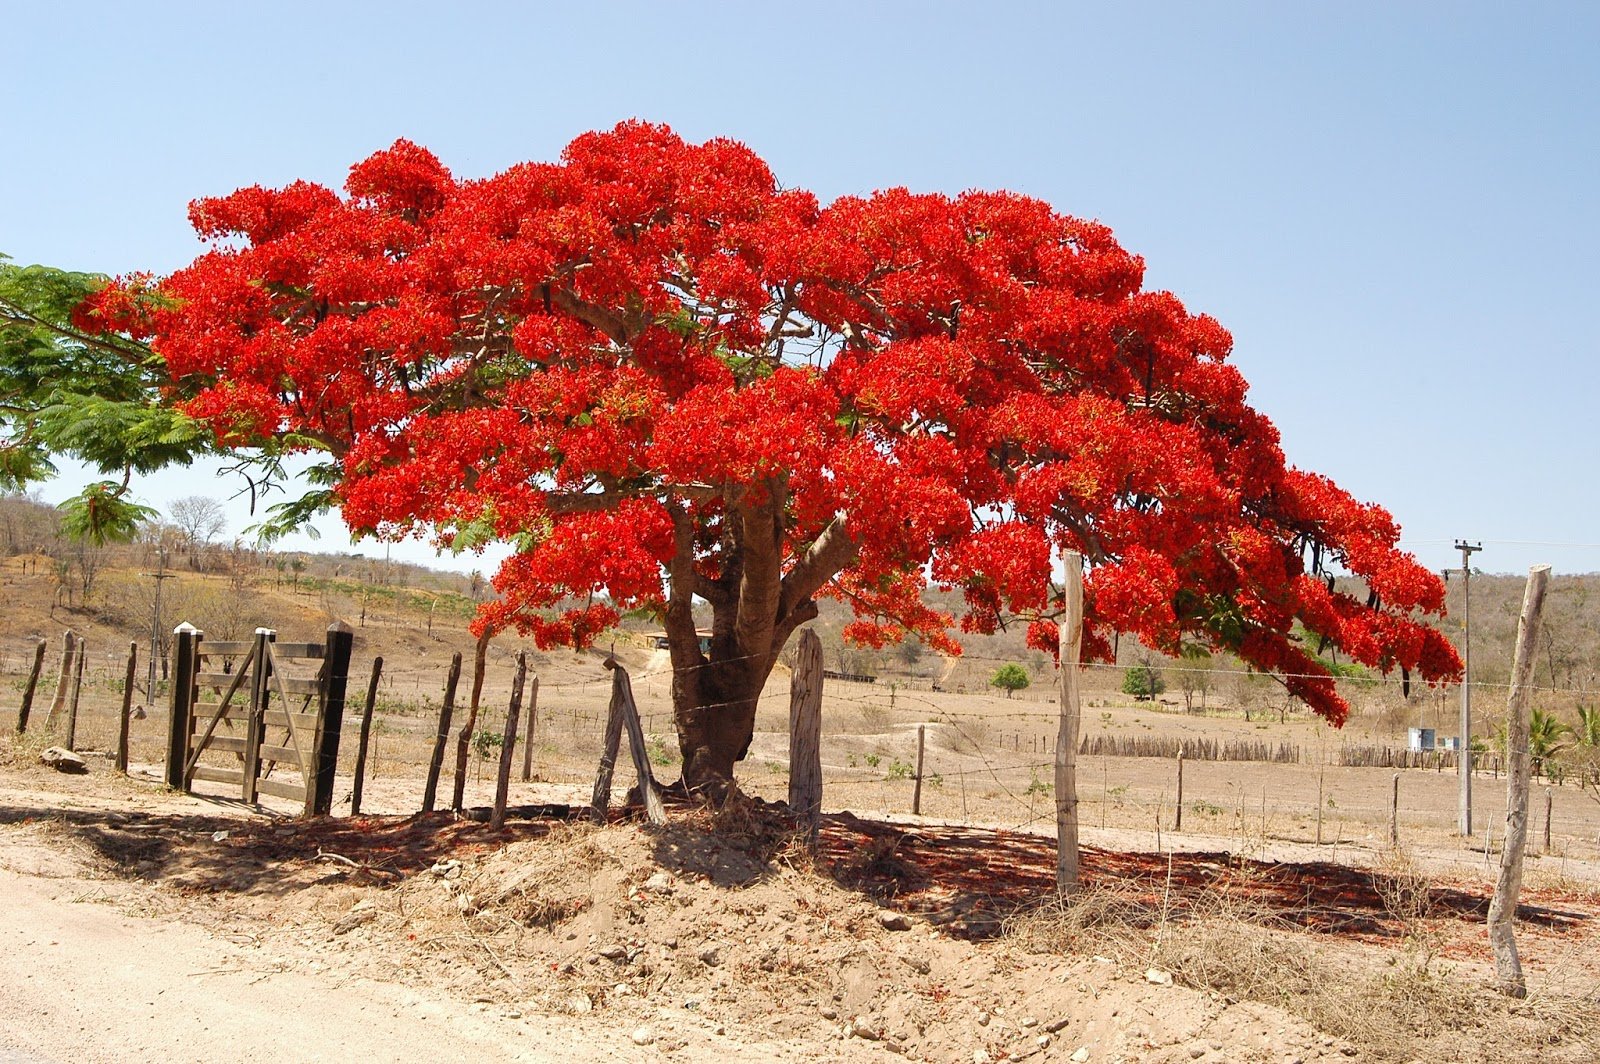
(260, 715)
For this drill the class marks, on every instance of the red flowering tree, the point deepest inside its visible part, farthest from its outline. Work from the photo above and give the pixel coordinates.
(666, 379)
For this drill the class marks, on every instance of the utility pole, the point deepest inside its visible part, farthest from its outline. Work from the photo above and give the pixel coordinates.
(1464, 756)
(155, 625)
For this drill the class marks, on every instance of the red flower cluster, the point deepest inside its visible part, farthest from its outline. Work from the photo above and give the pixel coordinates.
(663, 375)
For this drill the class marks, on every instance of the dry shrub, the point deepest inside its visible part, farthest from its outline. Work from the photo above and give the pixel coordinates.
(1247, 953)
(541, 883)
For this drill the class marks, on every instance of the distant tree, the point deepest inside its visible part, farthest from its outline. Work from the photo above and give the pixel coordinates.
(1010, 678)
(201, 519)
(1143, 681)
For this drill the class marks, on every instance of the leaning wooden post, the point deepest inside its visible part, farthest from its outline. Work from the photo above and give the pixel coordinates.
(508, 742)
(533, 723)
(1508, 888)
(178, 724)
(916, 793)
(33, 683)
(1071, 636)
(600, 801)
(366, 732)
(1177, 817)
(464, 737)
(127, 708)
(330, 722)
(58, 703)
(625, 713)
(77, 689)
(442, 739)
(805, 734)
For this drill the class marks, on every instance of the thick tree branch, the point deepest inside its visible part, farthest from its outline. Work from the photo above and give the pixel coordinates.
(829, 554)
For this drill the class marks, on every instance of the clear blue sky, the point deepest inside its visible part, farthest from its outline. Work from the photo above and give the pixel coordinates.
(1392, 206)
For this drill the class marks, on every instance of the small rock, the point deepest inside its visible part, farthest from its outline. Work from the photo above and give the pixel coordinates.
(861, 1029)
(1044, 1041)
(671, 943)
(1080, 1056)
(579, 1003)
(711, 956)
(661, 883)
(1058, 1025)
(513, 1014)
(446, 869)
(63, 760)
(893, 921)
(615, 953)
(983, 1019)
(1196, 1052)
(642, 1036)
(981, 1056)
(1158, 977)
(219, 836)
(622, 990)
(829, 1014)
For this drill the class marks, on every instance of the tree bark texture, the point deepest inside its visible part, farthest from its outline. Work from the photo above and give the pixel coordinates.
(1508, 887)
(1067, 733)
(805, 732)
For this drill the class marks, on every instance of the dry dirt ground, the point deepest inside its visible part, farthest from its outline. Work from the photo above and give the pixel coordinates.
(137, 921)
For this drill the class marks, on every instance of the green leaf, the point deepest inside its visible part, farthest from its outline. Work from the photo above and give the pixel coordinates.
(102, 513)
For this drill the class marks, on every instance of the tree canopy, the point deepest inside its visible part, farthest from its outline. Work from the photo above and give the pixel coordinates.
(667, 379)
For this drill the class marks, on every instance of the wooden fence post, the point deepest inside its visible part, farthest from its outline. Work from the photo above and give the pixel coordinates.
(255, 728)
(77, 690)
(625, 713)
(330, 722)
(1508, 887)
(58, 703)
(508, 742)
(27, 692)
(916, 793)
(1071, 637)
(1394, 813)
(178, 721)
(480, 655)
(1322, 773)
(442, 739)
(366, 731)
(1177, 819)
(533, 723)
(1548, 803)
(127, 708)
(805, 734)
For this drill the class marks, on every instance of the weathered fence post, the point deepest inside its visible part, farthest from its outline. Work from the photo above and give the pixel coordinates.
(508, 742)
(1394, 813)
(805, 734)
(442, 739)
(1508, 888)
(533, 723)
(625, 713)
(916, 793)
(178, 721)
(127, 708)
(255, 724)
(58, 703)
(366, 732)
(77, 690)
(330, 722)
(1548, 804)
(480, 656)
(27, 692)
(1177, 819)
(1071, 639)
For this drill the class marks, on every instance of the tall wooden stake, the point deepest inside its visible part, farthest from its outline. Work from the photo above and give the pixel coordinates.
(1320, 803)
(916, 793)
(1071, 636)
(77, 689)
(27, 692)
(1177, 820)
(464, 737)
(1508, 888)
(366, 734)
(508, 742)
(431, 791)
(533, 724)
(127, 708)
(805, 734)
(58, 703)
(1548, 800)
(1394, 813)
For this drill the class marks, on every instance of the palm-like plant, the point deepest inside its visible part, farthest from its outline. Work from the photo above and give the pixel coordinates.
(1547, 737)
